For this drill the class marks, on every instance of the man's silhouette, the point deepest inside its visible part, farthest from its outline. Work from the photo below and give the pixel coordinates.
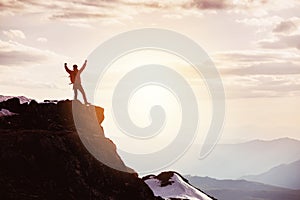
(76, 81)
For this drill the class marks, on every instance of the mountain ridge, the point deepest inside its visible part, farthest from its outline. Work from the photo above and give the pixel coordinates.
(229, 189)
(42, 157)
(284, 175)
(267, 141)
(242, 159)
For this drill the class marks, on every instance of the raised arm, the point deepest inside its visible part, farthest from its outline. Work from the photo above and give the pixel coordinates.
(83, 66)
(67, 69)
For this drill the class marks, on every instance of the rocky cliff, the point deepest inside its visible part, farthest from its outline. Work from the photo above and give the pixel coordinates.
(42, 156)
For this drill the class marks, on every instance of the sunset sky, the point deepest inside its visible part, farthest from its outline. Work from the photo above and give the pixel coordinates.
(255, 45)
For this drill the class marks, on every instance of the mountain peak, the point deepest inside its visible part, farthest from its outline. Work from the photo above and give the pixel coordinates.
(277, 140)
(171, 185)
(43, 157)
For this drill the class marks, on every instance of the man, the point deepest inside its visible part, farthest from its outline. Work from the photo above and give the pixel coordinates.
(76, 81)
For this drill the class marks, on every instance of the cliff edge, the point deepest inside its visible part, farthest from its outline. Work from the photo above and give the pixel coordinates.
(42, 156)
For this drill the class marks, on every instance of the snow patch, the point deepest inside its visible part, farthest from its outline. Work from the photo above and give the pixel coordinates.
(176, 188)
(4, 112)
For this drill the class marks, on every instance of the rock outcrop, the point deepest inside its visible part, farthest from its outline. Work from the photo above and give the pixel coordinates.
(42, 156)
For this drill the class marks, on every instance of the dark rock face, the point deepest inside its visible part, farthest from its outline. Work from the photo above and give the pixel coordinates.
(42, 157)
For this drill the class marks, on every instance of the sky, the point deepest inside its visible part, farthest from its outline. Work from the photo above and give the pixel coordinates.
(255, 45)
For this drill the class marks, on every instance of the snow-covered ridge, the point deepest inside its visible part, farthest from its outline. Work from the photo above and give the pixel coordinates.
(21, 98)
(172, 185)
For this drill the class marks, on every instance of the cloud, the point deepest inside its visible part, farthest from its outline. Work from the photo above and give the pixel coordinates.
(261, 86)
(80, 25)
(60, 10)
(16, 54)
(284, 68)
(284, 35)
(78, 15)
(12, 34)
(285, 27)
(25, 68)
(248, 58)
(172, 16)
(260, 21)
(256, 7)
(210, 4)
(42, 39)
(85, 10)
(282, 42)
(257, 73)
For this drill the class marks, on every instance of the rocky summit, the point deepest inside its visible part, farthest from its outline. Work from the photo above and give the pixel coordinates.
(43, 157)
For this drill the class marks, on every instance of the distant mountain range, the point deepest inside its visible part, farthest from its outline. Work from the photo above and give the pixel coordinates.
(232, 161)
(285, 175)
(242, 189)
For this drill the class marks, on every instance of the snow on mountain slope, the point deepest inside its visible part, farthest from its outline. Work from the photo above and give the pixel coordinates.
(21, 98)
(5, 112)
(171, 185)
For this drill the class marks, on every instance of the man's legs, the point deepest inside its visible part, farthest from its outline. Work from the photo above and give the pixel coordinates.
(80, 88)
(75, 93)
